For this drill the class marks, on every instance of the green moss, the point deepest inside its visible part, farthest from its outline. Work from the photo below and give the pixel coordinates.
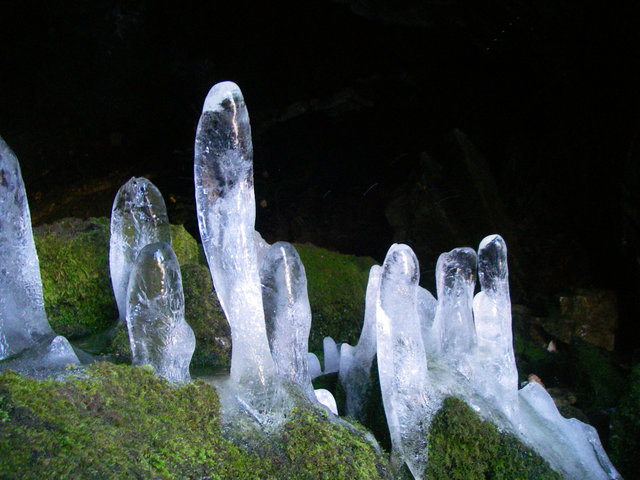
(186, 247)
(74, 265)
(625, 429)
(204, 314)
(121, 422)
(463, 447)
(336, 285)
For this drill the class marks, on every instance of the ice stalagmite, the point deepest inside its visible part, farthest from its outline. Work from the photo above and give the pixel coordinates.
(402, 364)
(23, 322)
(138, 218)
(287, 313)
(331, 353)
(158, 332)
(496, 375)
(571, 447)
(455, 281)
(355, 362)
(223, 171)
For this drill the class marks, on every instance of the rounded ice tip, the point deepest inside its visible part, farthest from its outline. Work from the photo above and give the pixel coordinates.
(401, 263)
(220, 92)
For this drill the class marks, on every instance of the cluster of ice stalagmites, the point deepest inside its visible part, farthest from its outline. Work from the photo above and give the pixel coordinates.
(138, 218)
(147, 283)
(467, 352)
(158, 332)
(25, 333)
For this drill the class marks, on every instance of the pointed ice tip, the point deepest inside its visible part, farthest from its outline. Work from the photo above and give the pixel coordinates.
(219, 93)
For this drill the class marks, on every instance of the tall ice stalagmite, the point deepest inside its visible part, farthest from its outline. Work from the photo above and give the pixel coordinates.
(223, 171)
(23, 322)
(402, 363)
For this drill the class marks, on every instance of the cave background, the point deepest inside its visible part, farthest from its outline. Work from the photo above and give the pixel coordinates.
(357, 108)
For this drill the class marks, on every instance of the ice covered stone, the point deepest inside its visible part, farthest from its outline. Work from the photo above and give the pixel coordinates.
(496, 375)
(23, 322)
(223, 173)
(325, 397)
(355, 362)
(331, 355)
(402, 364)
(455, 281)
(138, 218)
(570, 446)
(158, 332)
(287, 313)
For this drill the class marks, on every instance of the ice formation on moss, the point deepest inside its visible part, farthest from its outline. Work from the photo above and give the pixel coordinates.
(355, 362)
(158, 332)
(287, 313)
(138, 218)
(225, 200)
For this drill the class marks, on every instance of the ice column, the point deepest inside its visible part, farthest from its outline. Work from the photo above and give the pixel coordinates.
(496, 376)
(223, 171)
(23, 321)
(402, 364)
(455, 281)
(355, 362)
(138, 218)
(158, 332)
(287, 313)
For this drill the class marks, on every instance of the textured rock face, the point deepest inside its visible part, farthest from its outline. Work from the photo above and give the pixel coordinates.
(138, 218)
(23, 321)
(158, 333)
(594, 315)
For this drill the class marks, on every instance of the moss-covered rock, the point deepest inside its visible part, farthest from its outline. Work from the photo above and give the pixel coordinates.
(186, 248)
(625, 429)
(336, 285)
(74, 265)
(121, 422)
(463, 447)
(205, 316)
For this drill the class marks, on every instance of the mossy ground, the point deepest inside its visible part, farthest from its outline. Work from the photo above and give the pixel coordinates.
(463, 447)
(121, 422)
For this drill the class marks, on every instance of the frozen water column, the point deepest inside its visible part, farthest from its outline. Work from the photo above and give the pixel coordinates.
(138, 218)
(402, 365)
(455, 281)
(355, 362)
(223, 173)
(287, 313)
(158, 332)
(23, 321)
(497, 376)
